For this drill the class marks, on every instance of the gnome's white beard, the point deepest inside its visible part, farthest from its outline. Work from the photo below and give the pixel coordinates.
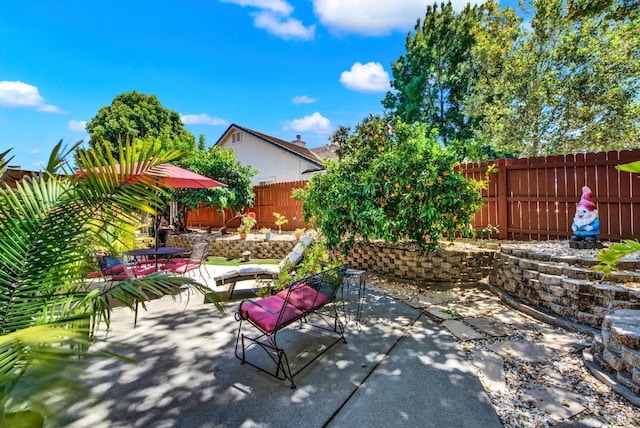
(588, 218)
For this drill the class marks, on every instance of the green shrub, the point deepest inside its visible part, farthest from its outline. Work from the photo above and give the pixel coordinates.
(393, 181)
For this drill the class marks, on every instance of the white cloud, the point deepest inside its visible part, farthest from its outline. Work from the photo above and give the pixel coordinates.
(202, 119)
(78, 125)
(278, 6)
(375, 17)
(286, 28)
(315, 123)
(303, 99)
(22, 95)
(370, 77)
(275, 17)
(34, 151)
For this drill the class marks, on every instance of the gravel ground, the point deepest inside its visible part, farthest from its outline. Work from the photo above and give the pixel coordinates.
(603, 407)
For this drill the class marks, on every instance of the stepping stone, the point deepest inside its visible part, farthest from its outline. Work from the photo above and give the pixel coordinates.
(512, 319)
(489, 326)
(562, 341)
(491, 367)
(559, 403)
(420, 303)
(469, 311)
(462, 331)
(441, 313)
(522, 350)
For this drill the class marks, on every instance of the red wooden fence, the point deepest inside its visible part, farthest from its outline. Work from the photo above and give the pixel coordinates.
(270, 198)
(530, 198)
(535, 198)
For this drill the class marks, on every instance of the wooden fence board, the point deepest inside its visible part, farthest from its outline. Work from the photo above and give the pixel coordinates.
(532, 198)
(538, 196)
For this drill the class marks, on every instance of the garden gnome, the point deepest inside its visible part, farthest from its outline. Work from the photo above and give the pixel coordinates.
(586, 225)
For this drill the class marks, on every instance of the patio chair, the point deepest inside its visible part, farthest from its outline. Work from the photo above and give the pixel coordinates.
(109, 267)
(252, 272)
(199, 254)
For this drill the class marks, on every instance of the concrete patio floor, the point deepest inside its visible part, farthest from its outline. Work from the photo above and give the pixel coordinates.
(397, 369)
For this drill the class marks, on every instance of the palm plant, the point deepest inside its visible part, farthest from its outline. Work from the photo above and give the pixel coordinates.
(49, 227)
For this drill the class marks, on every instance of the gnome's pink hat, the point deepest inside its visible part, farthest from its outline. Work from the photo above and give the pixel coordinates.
(586, 200)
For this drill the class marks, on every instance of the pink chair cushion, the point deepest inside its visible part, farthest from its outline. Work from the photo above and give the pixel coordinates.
(113, 270)
(179, 260)
(151, 261)
(180, 267)
(137, 272)
(303, 297)
(264, 313)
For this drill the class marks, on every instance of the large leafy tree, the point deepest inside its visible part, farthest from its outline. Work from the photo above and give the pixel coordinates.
(572, 81)
(566, 81)
(434, 77)
(393, 181)
(49, 227)
(221, 165)
(141, 116)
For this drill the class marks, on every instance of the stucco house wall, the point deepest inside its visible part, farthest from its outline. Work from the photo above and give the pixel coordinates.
(276, 161)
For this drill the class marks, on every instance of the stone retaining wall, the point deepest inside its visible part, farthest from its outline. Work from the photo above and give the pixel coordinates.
(565, 285)
(568, 287)
(429, 266)
(233, 248)
(619, 347)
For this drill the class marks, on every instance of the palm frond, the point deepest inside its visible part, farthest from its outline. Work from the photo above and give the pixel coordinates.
(49, 226)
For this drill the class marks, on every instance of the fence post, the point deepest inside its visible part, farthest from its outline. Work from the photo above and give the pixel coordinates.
(501, 198)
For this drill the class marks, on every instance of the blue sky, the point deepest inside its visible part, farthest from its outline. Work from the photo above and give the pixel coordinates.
(281, 67)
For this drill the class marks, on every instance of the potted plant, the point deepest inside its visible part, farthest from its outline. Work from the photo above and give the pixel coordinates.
(280, 220)
(267, 233)
(299, 232)
(247, 223)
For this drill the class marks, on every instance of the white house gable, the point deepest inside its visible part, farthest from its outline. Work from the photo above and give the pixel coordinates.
(275, 163)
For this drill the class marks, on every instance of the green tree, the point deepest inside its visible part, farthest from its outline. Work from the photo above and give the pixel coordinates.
(136, 115)
(570, 82)
(393, 181)
(433, 78)
(221, 165)
(49, 227)
(490, 99)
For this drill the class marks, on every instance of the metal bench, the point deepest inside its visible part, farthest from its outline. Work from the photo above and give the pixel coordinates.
(307, 301)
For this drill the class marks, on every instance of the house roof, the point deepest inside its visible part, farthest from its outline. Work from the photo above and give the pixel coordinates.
(326, 152)
(296, 150)
(13, 174)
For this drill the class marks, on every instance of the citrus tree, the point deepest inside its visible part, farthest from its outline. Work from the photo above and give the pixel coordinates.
(50, 226)
(393, 181)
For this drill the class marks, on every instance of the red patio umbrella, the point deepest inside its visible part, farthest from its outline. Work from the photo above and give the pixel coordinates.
(170, 176)
(167, 175)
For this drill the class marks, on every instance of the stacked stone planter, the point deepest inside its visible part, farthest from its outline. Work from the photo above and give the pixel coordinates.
(445, 266)
(565, 285)
(618, 349)
(233, 248)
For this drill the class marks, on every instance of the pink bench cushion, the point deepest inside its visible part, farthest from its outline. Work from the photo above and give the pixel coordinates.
(304, 297)
(264, 313)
